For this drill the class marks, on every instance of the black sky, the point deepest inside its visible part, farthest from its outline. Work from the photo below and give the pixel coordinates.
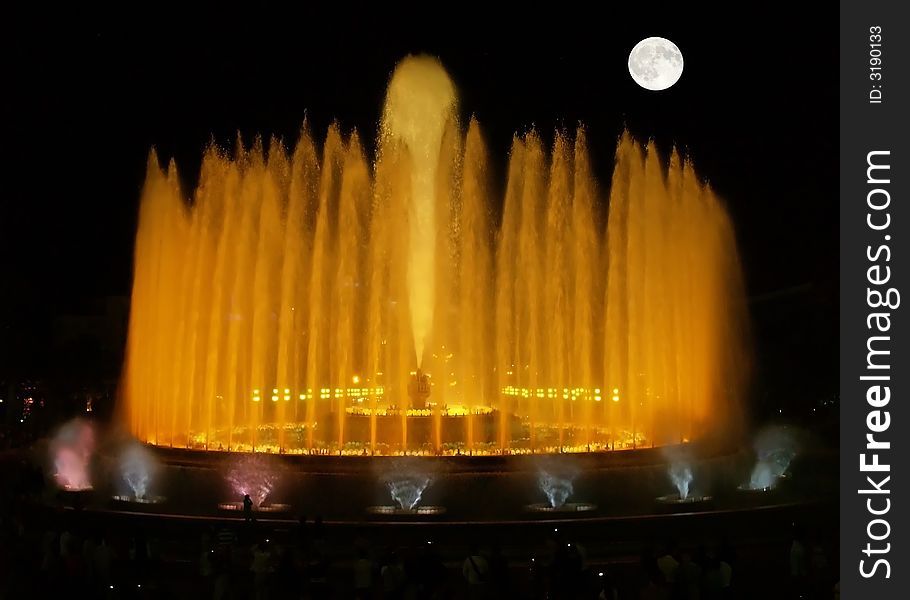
(756, 109)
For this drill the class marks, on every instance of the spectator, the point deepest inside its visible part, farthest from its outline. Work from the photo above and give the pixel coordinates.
(318, 574)
(393, 579)
(607, 587)
(688, 577)
(286, 580)
(818, 566)
(668, 564)
(799, 562)
(262, 569)
(101, 561)
(363, 575)
(247, 508)
(654, 588)
(476, 572)
(499, 572)
(718, 576)
(300, 533)
(226, 540)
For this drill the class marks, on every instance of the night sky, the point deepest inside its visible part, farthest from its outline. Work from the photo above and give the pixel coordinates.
(756, 109)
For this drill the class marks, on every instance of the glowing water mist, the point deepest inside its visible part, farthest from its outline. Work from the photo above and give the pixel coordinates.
(71, 453)
(679, 470)
(406, 482)
(286, 303)
(557, 489)
(253, 475)
(420, 104)
(138, 467)
(775, 449)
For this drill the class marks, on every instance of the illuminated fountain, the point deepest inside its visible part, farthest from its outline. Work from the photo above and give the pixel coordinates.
(775, 449)
(290, 302)
(406, 482)
(555, 480)
(680, 474)
(137, 468)
(256, 476)
(71, 453)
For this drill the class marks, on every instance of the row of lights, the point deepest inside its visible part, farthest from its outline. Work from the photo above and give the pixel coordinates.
(457, 410)
(554, 393)
(324, 393)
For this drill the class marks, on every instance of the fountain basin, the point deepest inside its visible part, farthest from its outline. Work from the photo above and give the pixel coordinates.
(75, 497)
(674, 503)
(123, 499)
(262, 508)
(397, 511)
(747, 488)
(565, 509)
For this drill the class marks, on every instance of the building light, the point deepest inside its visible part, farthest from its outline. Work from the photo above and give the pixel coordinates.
(355, 379)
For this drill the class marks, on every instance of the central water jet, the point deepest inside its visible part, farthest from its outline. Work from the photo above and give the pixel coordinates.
(420, 105)
(307, 301)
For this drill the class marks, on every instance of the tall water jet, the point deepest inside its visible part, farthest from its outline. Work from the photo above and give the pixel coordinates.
(557, 489)
(681, 476)
(137, 468)
(679, 471)
(71, 453)
(420, 105)
(408, 490)
(556, 479)
(406, 482)
(254, 476)
(775, 448)
(289, 302)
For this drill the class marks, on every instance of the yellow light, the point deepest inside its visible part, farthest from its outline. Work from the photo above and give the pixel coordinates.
(303, 396)
(355, 379)
(615, 398)
(596, 398)
(274, 390)
(287, 397)
(256, 392)
(615, 390)
(287, 391)
(274, 398)
(597, 391)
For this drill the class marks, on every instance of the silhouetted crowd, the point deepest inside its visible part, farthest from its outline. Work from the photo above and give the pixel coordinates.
(55, 553)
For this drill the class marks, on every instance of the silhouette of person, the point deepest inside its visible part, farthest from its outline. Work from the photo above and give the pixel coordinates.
(247, 508)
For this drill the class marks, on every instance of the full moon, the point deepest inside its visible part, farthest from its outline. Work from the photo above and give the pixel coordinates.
(655, 63)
